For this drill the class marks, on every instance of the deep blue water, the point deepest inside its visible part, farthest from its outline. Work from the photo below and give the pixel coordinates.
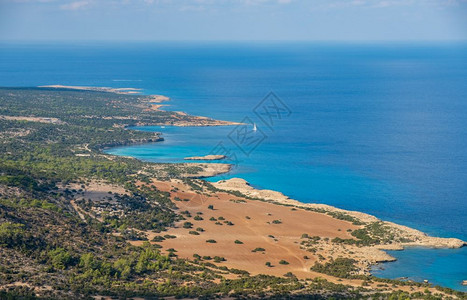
(374, 128)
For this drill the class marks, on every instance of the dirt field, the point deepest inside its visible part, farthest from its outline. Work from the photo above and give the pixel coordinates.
(253, 225)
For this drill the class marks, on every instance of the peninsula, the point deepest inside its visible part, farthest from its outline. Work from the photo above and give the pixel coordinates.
(78, 223)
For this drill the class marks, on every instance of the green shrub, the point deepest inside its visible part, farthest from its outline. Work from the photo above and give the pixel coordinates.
(158, 238)
(340, 267)
(11, 234)
(60, 258)
(187, 225)
(219, 259)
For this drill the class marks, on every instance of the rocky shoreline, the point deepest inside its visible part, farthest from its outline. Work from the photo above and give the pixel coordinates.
(157, 138)
(206, 157)
(420, 238)
(150, 103)
(123, 91)
(366, 256)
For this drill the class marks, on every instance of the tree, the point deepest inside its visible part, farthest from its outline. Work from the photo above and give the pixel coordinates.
(219, 259)
(11, 234)
(187, 225)
(60, 258)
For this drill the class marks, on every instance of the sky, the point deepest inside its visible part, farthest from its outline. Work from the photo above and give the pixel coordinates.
(232, 20)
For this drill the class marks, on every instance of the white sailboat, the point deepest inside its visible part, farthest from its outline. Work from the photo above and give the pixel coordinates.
(254, 126)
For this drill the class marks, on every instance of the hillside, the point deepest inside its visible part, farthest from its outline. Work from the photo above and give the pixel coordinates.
(78, 223)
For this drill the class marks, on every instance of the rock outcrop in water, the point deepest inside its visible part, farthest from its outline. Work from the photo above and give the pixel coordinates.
(206, 157)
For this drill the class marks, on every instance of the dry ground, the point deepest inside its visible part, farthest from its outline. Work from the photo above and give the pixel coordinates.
(253, 225)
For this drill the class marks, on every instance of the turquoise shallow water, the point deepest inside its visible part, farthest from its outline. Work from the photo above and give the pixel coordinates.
(435, 265)
(374, 128)
(269, 167)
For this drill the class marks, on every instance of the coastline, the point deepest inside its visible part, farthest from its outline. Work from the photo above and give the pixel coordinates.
(149, 104)
(421, 239)
(292, 238)
(237, 184)
(122, 91)
(366, 258)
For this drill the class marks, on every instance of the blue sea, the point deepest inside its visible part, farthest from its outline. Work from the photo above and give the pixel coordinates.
(378, 128)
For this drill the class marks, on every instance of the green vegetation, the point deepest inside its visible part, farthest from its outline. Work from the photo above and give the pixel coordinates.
(218, 259)
(345, 217)
(187, 225)
(373, 234)
(238, 242)
(340, 267)
(237, 201)
(211, 241)
(258, 249)
(11, 235)
(45, 168)
(283, 262)
(158, 238)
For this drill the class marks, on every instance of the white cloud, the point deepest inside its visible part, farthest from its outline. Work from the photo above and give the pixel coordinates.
(75, 5)
(207, 5)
